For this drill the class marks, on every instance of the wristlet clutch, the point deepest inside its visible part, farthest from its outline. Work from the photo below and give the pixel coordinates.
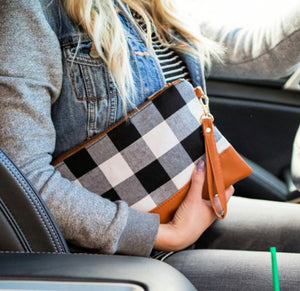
(147, 158)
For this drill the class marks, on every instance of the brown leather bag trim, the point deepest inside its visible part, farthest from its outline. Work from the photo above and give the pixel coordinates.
(167, 209)
(233, 166)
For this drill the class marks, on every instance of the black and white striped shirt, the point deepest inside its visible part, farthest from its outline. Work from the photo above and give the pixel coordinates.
(170, 62)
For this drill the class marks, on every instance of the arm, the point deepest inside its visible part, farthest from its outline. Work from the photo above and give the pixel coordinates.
(265, 51)
(30, 80)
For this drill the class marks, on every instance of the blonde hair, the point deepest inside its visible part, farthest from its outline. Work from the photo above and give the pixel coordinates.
(100, 20)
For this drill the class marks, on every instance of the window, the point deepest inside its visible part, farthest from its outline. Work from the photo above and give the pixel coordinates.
(240, 12)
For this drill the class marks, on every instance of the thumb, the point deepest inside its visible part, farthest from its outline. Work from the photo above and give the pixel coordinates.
(198, 177)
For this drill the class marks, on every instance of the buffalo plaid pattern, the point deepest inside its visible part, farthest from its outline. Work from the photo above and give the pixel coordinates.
(150, 156)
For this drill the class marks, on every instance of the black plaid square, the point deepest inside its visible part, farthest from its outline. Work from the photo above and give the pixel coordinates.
(169, 102)
(111, 195)
(153, 176)
(194, 144)
(80, 163)
(124, 135)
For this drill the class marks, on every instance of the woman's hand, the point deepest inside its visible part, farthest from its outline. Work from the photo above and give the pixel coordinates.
(191, 219)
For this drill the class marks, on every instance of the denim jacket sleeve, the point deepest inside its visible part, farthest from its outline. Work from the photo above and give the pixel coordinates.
(30, 81)
(265, 51)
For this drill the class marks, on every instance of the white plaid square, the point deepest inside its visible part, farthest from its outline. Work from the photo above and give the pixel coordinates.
(222, 144)
(116, 170)
(160, 139)
(146, 204)
(182, 178)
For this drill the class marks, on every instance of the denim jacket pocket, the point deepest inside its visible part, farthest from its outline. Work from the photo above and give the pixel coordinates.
(89, 94)
(88, 75)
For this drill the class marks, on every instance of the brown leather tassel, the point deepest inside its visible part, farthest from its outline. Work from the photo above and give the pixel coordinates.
(214, 173)
(215, 180)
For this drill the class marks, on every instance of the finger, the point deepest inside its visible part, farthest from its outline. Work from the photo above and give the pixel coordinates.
(207, 202)
(198, 177)
(229, 192)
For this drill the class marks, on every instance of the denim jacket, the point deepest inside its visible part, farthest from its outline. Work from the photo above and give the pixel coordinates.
(89, 96)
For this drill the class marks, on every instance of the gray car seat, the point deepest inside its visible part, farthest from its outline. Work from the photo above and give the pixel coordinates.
(26, 224)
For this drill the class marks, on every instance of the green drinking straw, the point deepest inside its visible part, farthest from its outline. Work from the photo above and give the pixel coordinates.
(274, 269)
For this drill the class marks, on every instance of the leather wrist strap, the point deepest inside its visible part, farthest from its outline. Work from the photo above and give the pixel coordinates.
(215, 181)
(214, 174)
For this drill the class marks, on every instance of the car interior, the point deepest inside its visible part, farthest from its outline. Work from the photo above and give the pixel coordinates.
(259, 117)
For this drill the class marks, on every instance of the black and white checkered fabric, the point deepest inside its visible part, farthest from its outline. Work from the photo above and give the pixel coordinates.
(150, 156)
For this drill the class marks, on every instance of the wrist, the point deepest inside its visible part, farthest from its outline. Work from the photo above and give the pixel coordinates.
(169, 238)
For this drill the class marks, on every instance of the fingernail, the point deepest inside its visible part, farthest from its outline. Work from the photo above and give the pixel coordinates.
(201, 165)
(218, 205)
